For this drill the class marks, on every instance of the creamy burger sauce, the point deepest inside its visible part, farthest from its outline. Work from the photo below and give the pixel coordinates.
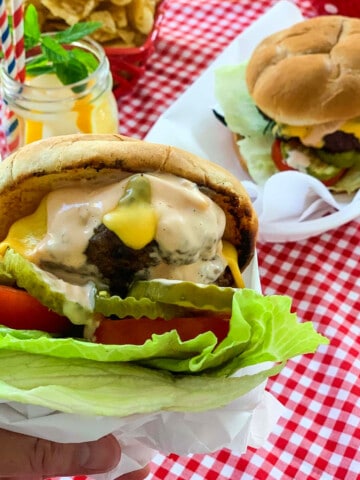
(313, 136)
(187, 225)
(298, 160)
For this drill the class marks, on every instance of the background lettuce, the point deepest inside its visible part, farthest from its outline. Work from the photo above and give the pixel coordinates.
(243, 118)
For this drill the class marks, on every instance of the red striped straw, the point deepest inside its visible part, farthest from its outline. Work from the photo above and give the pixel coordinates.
(11, 123)
(12, 133)
(7, 47)
(18, 38)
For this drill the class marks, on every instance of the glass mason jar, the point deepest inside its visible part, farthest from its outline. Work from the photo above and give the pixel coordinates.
(42, 106)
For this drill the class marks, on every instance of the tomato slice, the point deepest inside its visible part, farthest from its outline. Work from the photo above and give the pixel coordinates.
(331, 181)
(278, 158)
(19, 310)
(132, 331)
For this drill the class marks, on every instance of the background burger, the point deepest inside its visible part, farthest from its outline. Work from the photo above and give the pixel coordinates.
(123, 259)
(295, 105)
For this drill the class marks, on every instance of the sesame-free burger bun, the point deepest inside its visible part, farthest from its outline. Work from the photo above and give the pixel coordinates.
(309, 73)
(29, 174)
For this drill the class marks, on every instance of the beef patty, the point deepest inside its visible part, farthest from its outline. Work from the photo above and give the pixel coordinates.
(120, 264)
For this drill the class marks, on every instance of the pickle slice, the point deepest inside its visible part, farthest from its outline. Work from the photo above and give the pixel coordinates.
(185, 294)
(73, 301)
(5, 277)
(129, 306)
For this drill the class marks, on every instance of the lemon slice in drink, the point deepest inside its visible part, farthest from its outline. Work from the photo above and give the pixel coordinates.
(33, 131)
(104, 116)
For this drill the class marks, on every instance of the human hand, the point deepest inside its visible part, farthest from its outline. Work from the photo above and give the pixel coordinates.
(34, 458)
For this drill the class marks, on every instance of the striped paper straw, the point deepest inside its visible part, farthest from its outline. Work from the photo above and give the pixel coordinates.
(11, 130)
(18, 38)
(11, 122)
(12, 133)
(6, 42)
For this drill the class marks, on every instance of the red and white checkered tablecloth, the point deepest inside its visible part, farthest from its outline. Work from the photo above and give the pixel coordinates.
(319, 437)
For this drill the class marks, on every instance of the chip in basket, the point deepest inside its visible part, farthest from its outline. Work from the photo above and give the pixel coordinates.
(128, 31)
(124, 22)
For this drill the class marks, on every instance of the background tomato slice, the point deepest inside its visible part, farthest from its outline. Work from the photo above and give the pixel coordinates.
(21, 311)
(132, 331)
(333, 180)
(278, 158)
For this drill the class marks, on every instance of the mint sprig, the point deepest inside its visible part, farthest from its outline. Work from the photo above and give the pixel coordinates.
(69, 65)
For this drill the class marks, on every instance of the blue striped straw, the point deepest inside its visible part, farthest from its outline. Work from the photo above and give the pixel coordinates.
(11, 122)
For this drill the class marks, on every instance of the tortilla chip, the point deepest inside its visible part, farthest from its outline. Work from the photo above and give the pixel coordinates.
(124, 22)
(141, 15)
(120, 3)
(108, 30)
(71, 11)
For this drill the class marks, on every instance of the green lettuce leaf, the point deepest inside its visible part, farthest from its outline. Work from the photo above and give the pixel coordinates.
(243, 117)
(114, 389)
(256, 150)
(350, 182)
(231, 92)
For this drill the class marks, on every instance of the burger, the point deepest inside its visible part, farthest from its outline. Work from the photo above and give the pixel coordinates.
(295, 105)
(122, 261)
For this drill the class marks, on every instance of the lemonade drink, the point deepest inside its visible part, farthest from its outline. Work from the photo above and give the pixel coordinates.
(44, 107)
(63, 113)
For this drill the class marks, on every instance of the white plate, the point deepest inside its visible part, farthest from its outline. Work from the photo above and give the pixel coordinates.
(198, 131)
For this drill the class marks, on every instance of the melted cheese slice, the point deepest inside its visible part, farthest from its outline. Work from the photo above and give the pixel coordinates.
(352, 126)
(231, 256)
(313, 135)
(135, 224)
(27, 232)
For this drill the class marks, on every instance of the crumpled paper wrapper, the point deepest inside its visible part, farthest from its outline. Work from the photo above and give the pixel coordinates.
(291, 206)
(247, 421)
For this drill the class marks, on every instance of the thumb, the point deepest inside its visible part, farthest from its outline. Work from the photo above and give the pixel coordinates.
(23, 455)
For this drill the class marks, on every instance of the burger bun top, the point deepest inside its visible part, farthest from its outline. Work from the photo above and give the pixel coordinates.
(309, 73)
(30, 173)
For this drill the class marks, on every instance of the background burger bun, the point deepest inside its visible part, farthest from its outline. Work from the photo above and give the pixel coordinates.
(74, 160)
(309, 73)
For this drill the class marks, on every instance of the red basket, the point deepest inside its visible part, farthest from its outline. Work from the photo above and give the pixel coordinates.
(350, 8)
(129, 64)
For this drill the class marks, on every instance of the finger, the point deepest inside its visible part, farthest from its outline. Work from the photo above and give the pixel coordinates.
(136, 475)
(23, 455)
